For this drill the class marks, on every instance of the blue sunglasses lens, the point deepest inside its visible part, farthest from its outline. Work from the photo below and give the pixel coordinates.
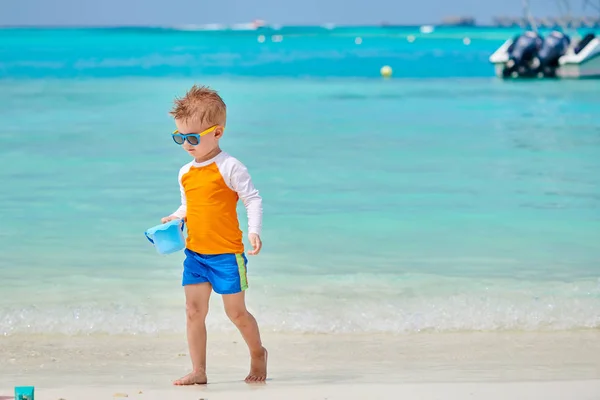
(193, 140)
(177, 138)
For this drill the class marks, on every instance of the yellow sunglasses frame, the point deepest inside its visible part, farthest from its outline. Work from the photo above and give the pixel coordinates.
(203, 133)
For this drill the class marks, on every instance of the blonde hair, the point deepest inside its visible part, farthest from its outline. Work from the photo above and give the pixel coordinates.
(200, 104)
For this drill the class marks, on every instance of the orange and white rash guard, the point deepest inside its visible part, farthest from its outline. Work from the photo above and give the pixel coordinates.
(209, 194)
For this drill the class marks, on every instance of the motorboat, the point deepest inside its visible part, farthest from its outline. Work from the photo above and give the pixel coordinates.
(554, 55)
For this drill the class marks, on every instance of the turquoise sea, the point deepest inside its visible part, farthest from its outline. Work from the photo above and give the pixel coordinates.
(442, 199)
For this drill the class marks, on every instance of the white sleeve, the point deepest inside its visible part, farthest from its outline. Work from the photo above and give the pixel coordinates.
(182, 210)
(242, 184)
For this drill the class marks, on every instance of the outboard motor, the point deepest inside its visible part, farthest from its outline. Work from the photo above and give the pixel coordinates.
(554, 47)
(521, 55)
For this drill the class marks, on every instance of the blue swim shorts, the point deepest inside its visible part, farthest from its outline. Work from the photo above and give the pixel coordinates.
(225, 272)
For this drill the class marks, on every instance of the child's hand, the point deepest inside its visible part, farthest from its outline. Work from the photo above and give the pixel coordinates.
(255, 242)
(168, 219)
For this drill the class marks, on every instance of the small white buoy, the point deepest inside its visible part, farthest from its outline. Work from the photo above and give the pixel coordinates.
(386, 71)
(467, 41)
(410, 38)
(261, 38)
(358, 40)
(427, 29)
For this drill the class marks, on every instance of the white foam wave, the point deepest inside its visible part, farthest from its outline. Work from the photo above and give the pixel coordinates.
(396, 307)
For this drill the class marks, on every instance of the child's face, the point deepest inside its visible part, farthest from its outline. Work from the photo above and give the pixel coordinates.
(208, 142)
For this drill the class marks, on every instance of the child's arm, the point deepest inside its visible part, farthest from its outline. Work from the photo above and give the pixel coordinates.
(181, 212)
(241, 182)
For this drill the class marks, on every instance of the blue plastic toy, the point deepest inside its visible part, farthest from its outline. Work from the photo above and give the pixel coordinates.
(24, 392)
(167, 238)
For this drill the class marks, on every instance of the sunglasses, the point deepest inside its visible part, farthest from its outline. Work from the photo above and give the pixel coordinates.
(192, 138)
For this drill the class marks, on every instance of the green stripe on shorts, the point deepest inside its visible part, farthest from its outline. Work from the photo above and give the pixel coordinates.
(242, 270)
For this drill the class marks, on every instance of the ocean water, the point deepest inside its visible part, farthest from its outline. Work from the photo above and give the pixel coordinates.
(440, 200)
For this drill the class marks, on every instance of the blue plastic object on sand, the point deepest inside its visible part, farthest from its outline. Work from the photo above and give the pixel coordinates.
(24, 392)
(167, 238)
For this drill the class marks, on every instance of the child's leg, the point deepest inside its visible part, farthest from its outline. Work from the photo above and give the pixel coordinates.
(196, 307)
(235, 307)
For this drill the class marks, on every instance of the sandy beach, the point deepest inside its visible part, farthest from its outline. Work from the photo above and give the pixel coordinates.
(584, 390)
(552, 365)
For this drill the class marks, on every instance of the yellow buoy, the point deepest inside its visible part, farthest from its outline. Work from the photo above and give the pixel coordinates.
(386, 71)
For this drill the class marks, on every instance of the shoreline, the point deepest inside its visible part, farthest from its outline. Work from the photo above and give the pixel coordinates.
(305, 365)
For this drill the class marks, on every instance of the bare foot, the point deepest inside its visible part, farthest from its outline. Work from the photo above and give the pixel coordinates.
(193, 378)
(258, 367)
